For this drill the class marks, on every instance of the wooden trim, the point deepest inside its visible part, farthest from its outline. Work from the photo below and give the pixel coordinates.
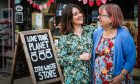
(138, 38)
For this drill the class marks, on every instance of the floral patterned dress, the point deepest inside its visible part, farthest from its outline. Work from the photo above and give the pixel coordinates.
(69, 48)
(104, 61)
(103, 69)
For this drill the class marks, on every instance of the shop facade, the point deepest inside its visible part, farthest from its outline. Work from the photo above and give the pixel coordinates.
(24, 15)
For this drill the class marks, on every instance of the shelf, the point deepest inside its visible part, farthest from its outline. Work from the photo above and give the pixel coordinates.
(6, 45)
(5, 33)
(8, 57)
(6, 37)
(5, 21)
(49, 14)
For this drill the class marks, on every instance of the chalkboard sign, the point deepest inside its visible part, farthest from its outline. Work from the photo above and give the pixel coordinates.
(40, 56)
(20, 68)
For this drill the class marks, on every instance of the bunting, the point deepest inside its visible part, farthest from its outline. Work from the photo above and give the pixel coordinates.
(46, 3)
(91, 2)
(42, 5)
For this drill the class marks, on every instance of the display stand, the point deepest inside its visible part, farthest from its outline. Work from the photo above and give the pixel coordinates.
(6, 39)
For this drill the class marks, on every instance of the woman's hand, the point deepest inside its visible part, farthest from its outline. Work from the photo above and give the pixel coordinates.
(118, 79)
(85, 56)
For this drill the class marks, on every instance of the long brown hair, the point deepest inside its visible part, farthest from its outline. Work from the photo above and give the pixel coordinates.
(66, 19)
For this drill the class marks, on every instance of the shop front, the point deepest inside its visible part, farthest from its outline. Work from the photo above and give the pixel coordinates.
(38, 14)
(27, 15)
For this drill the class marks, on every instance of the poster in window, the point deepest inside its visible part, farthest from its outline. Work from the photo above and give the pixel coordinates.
(19, 17)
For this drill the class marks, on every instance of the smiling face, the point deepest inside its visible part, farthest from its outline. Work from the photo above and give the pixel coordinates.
(110, 15)
(72, 17)
(77, 16)
(104, 18)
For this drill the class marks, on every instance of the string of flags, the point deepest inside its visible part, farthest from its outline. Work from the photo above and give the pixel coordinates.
(41, 6)
(47, 3)
(92, 2)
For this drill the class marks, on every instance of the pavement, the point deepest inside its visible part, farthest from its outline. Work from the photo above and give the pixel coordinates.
(5, 78)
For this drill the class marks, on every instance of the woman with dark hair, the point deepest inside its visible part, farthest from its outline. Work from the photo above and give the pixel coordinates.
(114, 52)
(74, 46)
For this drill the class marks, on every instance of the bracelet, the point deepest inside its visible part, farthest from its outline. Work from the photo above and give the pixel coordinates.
(123, 74)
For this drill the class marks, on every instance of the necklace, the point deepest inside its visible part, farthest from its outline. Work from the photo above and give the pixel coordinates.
(78, 32)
